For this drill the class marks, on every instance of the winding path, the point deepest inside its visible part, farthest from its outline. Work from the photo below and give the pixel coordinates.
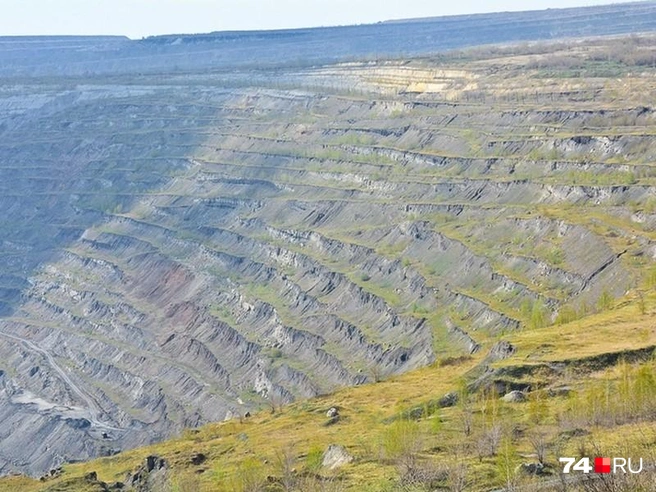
(94, 409)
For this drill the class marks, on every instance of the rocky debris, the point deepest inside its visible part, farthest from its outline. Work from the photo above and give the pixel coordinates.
(500, 351)
(198, 459)
(414, 413)
(107, 451)
(53, 473)
(426, 409)
(335, 456)
(561, 391)
(332, 412)
(534, 469)
(514, 397)
(90, 483)
(152, 476)
(448, 400)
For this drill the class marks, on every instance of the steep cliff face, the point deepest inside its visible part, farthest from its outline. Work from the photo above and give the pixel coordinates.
(175, 253)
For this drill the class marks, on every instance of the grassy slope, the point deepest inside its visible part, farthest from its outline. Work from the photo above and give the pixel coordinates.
(254, 447)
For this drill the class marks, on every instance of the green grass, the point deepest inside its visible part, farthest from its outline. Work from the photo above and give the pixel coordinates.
(380, 447)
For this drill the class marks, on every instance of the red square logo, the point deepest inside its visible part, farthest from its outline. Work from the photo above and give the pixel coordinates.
(602, 465)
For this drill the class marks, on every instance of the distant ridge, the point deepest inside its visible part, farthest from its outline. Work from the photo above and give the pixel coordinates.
(508, 13)
(65, 37)
(317, 46)
(577, 17)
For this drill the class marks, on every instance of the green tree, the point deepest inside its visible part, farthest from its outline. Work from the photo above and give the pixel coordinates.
(506, 463)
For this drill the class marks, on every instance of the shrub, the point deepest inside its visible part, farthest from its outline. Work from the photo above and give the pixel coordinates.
(401, 440)
(605, 301)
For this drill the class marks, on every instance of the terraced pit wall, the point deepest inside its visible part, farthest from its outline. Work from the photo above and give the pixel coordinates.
(175, 252)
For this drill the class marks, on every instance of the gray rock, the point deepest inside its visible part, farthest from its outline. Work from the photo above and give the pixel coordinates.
(535, 469)
(91, 477)
(335, 456)
(448, 400)
(198, 459)
(514, 397)
(562, 391)
(501, 350)
(152, 476)
(332, 412)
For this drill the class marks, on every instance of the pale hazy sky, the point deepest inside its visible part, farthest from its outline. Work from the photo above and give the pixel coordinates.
(137, 18)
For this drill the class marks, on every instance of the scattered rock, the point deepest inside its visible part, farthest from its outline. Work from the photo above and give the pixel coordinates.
(534, 469)
(242, 436)
(501, 350)
(154, 463)
(91, 477)
(149, 477)
(514, 397)
(198, 459)
(88, 482)
(332, 412)
(335, 456)
(106, 451)
(448, 400)
(562, 391)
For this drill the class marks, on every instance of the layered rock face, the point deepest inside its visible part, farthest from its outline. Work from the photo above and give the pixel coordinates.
(174, 252)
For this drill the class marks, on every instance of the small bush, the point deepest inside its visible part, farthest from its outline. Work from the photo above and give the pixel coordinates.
(605, 301)
(401, 440)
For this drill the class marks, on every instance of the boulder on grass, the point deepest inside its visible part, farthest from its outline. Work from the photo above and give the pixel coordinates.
(335, 456)
(514, 397)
